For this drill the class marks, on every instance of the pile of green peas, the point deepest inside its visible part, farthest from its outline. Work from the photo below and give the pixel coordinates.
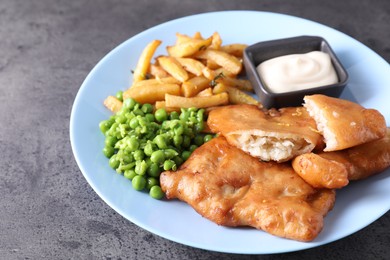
(141, 143)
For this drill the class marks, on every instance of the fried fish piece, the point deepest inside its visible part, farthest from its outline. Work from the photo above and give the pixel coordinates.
(343, 123)
(231, 188)
(335, 169)
(277, 135)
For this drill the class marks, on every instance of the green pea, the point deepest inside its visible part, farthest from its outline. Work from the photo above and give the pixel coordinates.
(185, 155)
(148, 161)
(169, 165)
(114, 162)
(123, 166)
(133, 143)
(189, 132)
(157, 157)
(178, 140)
(129, 103)
(138, 182)
(127, 158)
(199, 127)
(154, 170)
(134, 123)
(148, 149)
(141, 144)
(178, 160)
(165, 125)
(193, 120)
(113, 127)
(193, 147)
(129, 174)
(111, 119)
(156, 192)
(119, 95)
(198, 140)
(110, 141)
(170, 153)
(150, 182)
(178, 129)
(186, 141)
(147, 108)
(138, 112)
(138, 155)
(161, 141)
(122, 130)
(184, 114)
(174, 115)
(161, 115)
(104, 126)
(149, 117)
(142, 121)
(141, 167)
(108, 151)
(207, 138)
(200, 115)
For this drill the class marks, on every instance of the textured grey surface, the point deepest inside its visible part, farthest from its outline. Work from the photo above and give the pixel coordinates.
(47, 209)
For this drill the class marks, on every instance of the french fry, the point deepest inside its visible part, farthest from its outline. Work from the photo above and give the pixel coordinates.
(161, 104)
(235, 49)
(198, 35)
(205, 93)
(216, 41)
(197, 71)
(150, 93)
(236, 96)
(113, 104)
(225, 73)
(156, 82)
(173, 67)
(241, 84)
(191, 65)
(218, 73)
(194, 85)
(144, 60)
(209, 73)
(198, 102)
(188, 48)
(157, 72)
(223, 59)
(212, 65)
(182, 38)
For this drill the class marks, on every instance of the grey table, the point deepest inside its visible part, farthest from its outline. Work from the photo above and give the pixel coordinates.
(47, 209)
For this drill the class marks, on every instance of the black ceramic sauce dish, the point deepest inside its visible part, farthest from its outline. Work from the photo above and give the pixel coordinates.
(262, 51)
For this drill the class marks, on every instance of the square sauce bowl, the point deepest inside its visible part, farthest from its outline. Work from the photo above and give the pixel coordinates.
(263, 51)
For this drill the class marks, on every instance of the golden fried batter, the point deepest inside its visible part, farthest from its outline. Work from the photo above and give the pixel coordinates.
(275, 135)
(343, 123)
(231, 188)
(335, 169)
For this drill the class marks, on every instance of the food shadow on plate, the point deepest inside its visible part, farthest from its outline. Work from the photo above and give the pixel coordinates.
(359, 84)
(359, 196)
(347, 94)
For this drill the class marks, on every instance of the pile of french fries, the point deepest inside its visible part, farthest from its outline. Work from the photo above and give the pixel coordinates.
(196, 72)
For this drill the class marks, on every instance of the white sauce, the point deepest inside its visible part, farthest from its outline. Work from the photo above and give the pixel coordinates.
(297, 72)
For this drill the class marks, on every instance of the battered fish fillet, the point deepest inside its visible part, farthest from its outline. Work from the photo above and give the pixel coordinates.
(231, 188)
(343, 123)
(335, 169)
(276, 135)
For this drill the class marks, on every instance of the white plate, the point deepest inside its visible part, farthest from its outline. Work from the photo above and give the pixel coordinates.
(357, 206)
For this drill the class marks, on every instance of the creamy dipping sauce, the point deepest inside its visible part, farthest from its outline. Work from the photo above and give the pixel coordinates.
(297, 72)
